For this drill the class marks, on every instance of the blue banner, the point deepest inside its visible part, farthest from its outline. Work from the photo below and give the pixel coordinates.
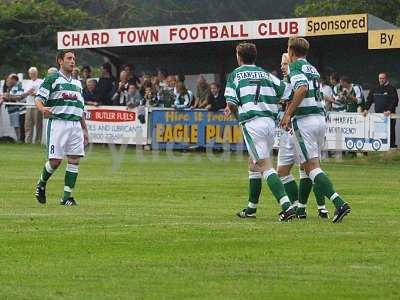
(181, 129)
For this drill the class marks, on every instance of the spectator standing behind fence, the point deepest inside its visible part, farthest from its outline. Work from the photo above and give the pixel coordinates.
(216, 99)
(350, 95)
(130, 71)
(166, 96)
(202, 93)
(33, 117)
(386, 99)
(150, 97)
(86, 73)
(327, 94)
(106, 85)
(15, 93)
(90, 93)
(184, 97)
(134, 98)
(121, 94)
(75, 73)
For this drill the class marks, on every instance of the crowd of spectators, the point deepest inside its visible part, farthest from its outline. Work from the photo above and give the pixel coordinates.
(340, 94)
(160, 90)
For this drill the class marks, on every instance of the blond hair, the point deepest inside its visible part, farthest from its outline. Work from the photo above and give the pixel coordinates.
(299, 46)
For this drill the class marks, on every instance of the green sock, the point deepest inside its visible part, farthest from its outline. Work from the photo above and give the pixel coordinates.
(255, 185)
(291, 189)
(46, 174)
(305, 187)
(325, 186)
(277, 188)
(70, 179)
(319, 196)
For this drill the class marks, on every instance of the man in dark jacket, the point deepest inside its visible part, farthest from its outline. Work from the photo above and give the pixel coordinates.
(106, 85)
(386, 99)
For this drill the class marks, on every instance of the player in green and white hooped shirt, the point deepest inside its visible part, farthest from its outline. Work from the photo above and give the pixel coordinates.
(287, 157)
(60, 100)
(305, 115)
(252, 94)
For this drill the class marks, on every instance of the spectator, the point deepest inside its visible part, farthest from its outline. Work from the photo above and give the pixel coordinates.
(216, 99)
(132, 78)
(33, 117)
(166, 95)
(202, 93)
(134, 98)
(15, 93)
(106, 85)
(150, 97)
(180, 78)
(386, 99)
(121, 94)
(51, 71)
(327, 94)
(350, 95)
(90, 93)
(184, 96)
(86, 73)
(75, 73)
(162, 78)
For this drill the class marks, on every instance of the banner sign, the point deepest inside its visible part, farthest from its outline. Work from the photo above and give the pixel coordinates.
(198, 128)
(353, 131)
(332, 25)
(198, 33)
(116, 125)
(384, 39)
(179, 129)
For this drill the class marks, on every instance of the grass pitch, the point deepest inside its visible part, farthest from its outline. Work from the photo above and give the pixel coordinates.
(163, 226)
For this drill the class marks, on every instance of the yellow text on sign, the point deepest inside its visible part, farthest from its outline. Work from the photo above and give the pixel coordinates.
(223, 134)
(178, 133)
(384, 39)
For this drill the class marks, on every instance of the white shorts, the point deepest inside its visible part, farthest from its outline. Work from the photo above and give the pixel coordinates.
(309, 133)
(259, 137)
(64, 138)
(287, 153)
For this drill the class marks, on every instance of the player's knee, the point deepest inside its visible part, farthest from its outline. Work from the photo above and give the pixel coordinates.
(55, 163)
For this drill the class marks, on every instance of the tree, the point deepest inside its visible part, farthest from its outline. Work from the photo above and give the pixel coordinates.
(388, 10)
(28, 30)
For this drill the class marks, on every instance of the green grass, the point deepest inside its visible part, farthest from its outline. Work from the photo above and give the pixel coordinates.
(149, 227)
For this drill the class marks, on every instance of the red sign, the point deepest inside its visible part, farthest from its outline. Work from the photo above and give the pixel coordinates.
(109, 115)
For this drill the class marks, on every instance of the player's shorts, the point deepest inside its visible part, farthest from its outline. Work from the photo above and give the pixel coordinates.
(14, 119)
(309, 133)
(258, 135)
(64, 138)
(287, 153)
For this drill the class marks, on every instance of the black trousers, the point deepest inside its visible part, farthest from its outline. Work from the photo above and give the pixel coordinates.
(392, 133)
(22, 128)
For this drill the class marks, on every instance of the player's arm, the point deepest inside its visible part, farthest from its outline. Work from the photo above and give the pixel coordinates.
(85, 131)
(299, 83)
(232, 100)
(42, 97)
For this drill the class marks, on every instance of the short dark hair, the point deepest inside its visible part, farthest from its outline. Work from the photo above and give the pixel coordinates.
(335, 76)
(15, 77)
(299, 46)
(345, 78)
(130, 66)
(87, 68)
(61, 54)
(107, 66)
(247, 52)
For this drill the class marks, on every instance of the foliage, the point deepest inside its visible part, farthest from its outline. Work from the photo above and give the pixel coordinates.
(28, 30)
(388, 10)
